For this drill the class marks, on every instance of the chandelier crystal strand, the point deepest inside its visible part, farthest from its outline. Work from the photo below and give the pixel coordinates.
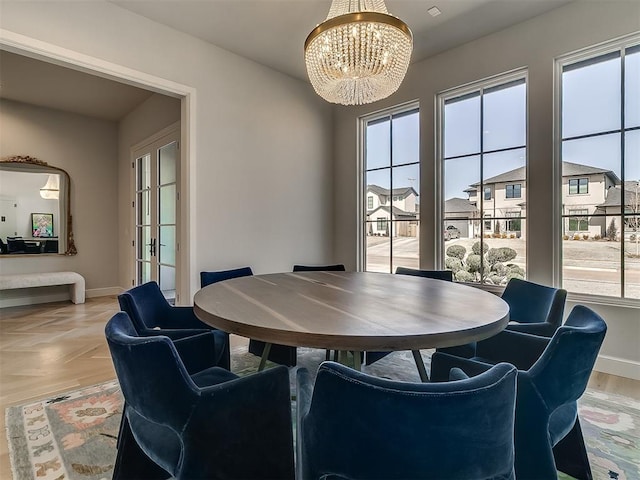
(360, 54)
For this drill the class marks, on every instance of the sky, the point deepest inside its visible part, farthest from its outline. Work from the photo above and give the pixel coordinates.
(591, 103)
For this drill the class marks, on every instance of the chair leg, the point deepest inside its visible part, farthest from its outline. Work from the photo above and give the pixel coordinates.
(570, 454)
(131, 462)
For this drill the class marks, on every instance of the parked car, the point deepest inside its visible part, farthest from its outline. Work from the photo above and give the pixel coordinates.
(451, 232)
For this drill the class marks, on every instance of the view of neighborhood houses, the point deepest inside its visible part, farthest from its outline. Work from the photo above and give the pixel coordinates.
(485, 185)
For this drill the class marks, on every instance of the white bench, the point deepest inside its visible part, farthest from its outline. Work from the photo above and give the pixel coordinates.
(28, 280)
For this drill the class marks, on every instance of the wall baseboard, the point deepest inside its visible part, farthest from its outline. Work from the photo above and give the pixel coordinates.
(618, 366)
(104, 292)
(58, 293)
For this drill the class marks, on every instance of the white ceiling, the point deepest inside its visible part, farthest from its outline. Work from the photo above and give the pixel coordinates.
(272, 32)
(27, 80)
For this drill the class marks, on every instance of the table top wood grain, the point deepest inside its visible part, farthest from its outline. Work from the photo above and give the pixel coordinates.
(352, 310)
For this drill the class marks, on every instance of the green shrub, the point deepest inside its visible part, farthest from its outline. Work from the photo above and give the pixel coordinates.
(456, 251)
(473, 263)
(463, 276)
(454, 264)
(500, 269)
(502, 254)
(476, 248)
(515, 272)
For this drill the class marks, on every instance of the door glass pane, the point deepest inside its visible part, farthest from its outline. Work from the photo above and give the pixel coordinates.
(144, 242)
(144, 272)
(167, 204)
(167, 247)
(378, 148)
(505, 117)
(462, 128)
(144, 207)
(591, 97)
(168, 158)
(167, 281)
(378, 245)
(406, 138)
(144, 172)
(632, 88)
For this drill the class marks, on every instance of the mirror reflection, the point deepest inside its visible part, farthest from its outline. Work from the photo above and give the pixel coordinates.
(34, 208)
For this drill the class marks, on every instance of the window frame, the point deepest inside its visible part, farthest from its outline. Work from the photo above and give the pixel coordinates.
(577, 180)
(361, 185)
(441, 98)
(513, 191)
(560, 62)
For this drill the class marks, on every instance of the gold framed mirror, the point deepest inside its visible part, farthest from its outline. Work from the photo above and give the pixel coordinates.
(39, 230)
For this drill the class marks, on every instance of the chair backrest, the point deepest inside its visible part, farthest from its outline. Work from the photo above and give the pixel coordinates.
(145, 305)
(437, 274)
(359, 426)
(533, 303)
(207, 278)
(319, 268)
(562, 371)
(150, 368)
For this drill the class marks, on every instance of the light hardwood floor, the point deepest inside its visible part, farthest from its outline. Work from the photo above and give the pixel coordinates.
(55, 347)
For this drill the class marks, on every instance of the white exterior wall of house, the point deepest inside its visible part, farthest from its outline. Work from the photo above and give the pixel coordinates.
(408, 203)
(573, 203)
(373, 226)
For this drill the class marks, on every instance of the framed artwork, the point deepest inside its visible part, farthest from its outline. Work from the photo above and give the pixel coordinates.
(42, 224)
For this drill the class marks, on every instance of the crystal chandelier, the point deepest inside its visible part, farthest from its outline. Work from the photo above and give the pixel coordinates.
(359, 54)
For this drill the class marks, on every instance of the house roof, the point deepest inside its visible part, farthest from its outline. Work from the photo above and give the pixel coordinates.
(397, 212)
(403, 192)
(459, 205)
(568, 170)
(631, 196)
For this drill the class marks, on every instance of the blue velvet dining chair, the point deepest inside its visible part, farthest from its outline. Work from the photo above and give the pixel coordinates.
(211, 424)
(351, 425)
(534, 308)
(552, 376)
(446, 275)
(338, 267)
(282, 354)
(152, 315)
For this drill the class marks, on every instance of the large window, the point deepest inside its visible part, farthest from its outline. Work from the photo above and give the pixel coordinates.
(391, 176)
(483, 154)
(600, 154)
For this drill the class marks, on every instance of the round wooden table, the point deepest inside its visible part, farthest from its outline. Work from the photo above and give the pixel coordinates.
(352, 311)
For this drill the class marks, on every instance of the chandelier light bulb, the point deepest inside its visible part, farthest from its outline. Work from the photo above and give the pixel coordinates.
(359, 54)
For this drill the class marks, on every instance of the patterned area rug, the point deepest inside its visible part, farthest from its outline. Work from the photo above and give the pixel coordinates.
(73, 435)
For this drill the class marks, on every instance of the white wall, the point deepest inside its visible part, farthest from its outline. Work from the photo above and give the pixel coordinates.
(533, 44)
(87, 149)
(156, 113)
(259, 134)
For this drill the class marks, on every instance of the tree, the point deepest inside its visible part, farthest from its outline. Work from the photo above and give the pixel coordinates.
(612, 230)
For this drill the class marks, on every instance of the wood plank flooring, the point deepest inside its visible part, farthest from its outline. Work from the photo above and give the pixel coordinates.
(50, 348)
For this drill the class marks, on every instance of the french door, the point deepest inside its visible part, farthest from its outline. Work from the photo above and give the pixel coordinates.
(156, 195)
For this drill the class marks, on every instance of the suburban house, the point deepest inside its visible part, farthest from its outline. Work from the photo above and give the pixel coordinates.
(399, 205)
(612, 207)
(209, 104)
(586, 191)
